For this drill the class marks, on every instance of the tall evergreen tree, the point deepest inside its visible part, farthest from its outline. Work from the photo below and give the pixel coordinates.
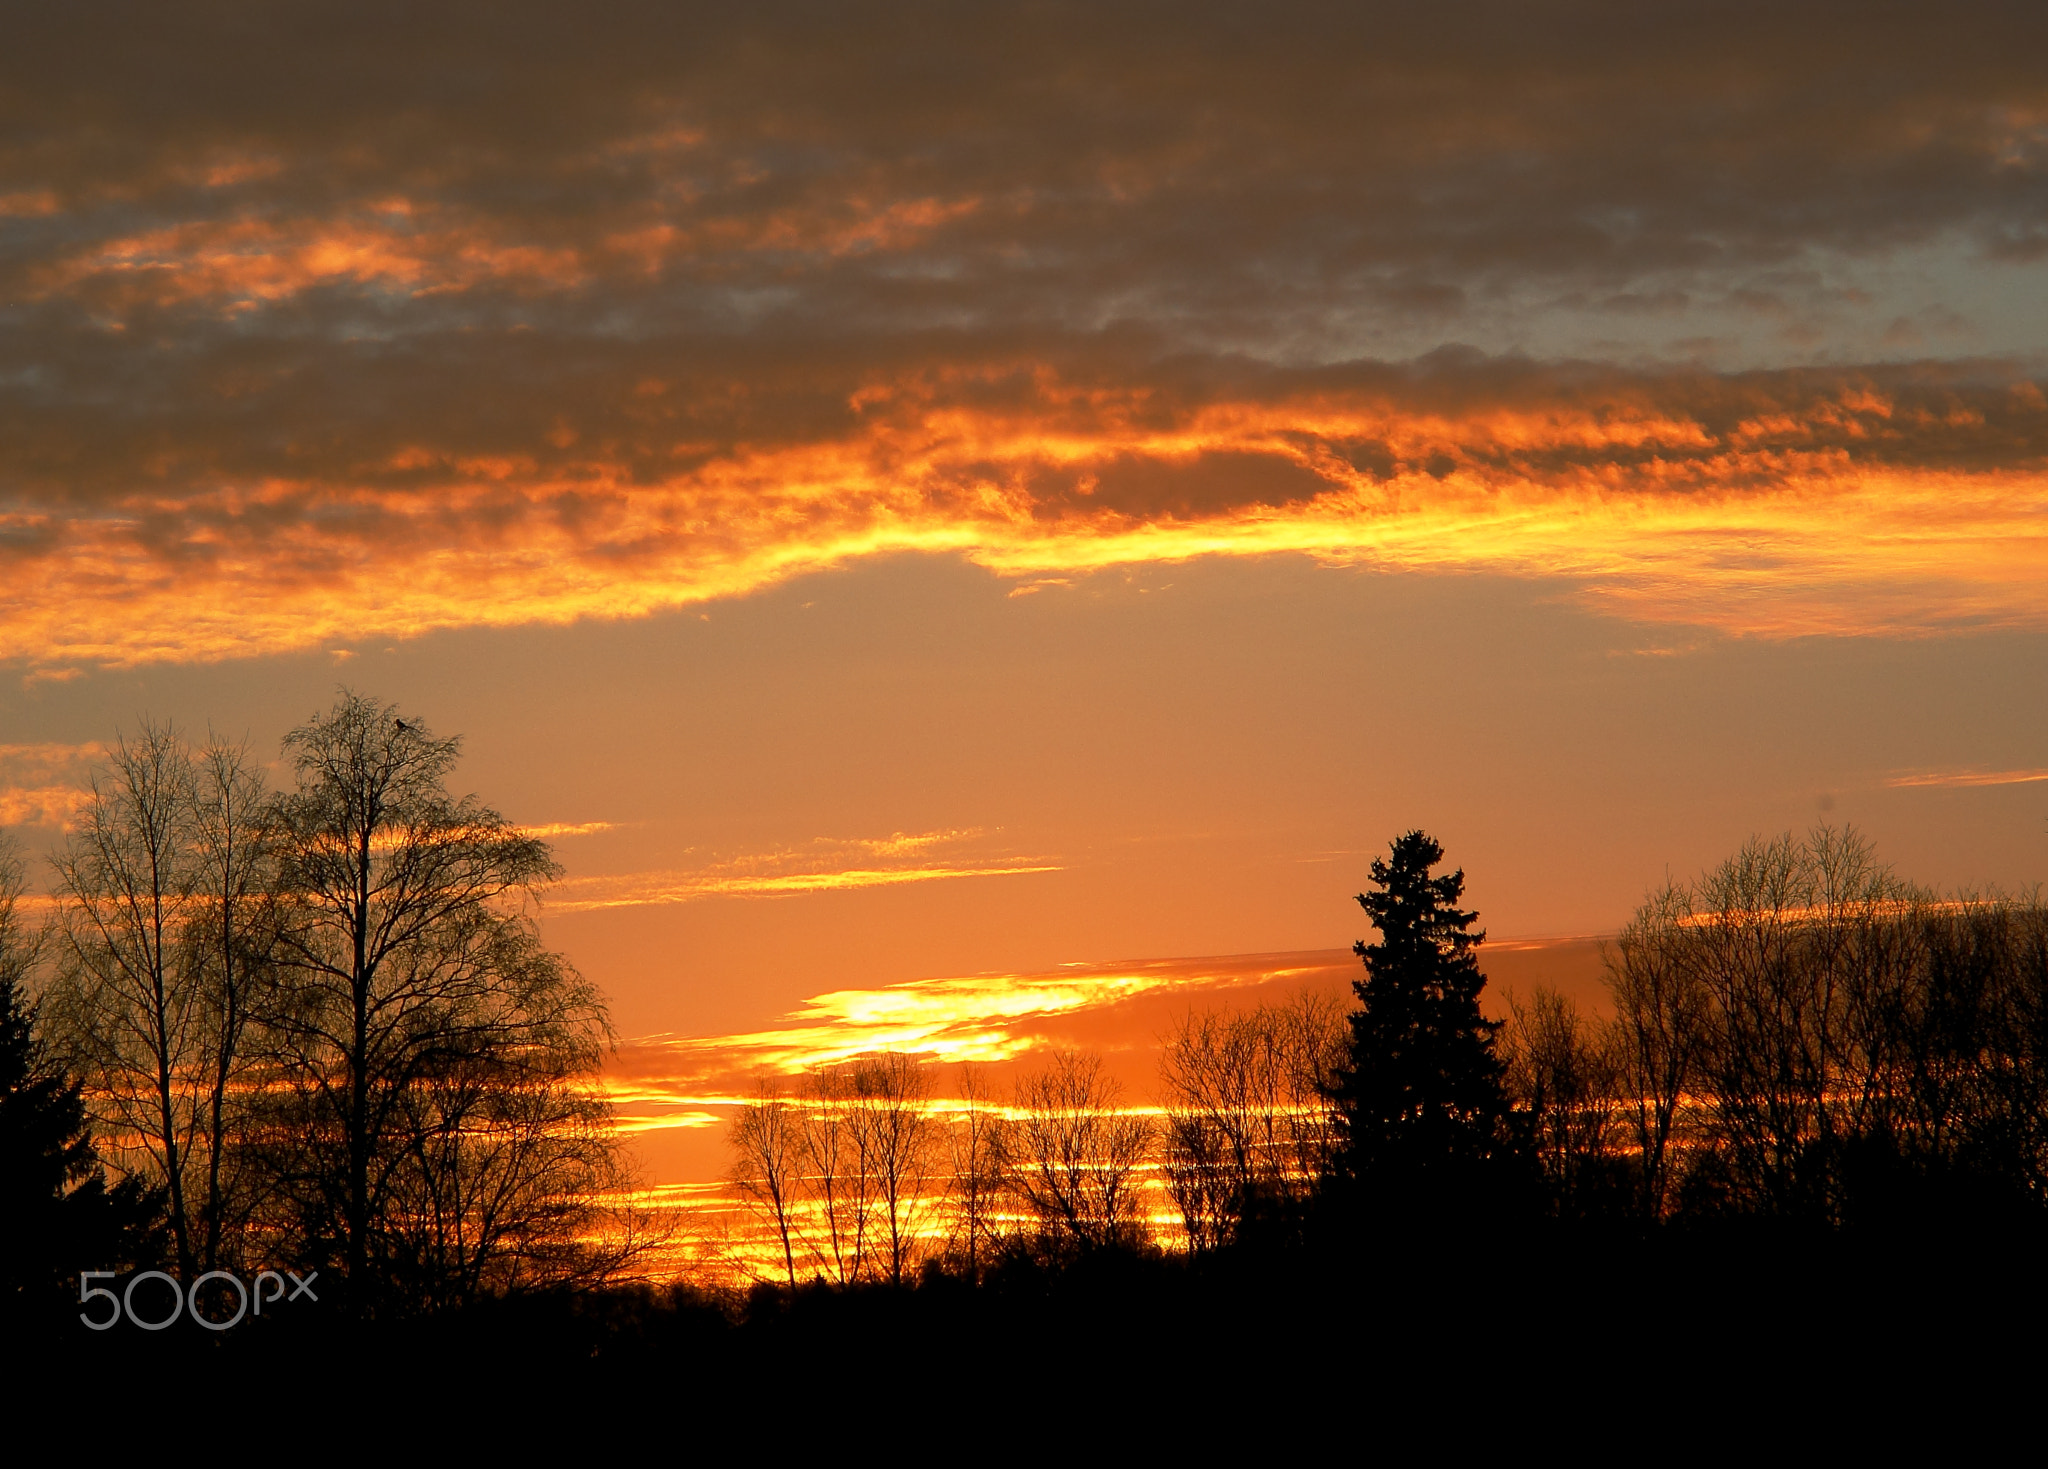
(57, 1214)
(1423, 1116)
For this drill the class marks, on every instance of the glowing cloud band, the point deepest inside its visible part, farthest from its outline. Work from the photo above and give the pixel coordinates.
(1850, 512)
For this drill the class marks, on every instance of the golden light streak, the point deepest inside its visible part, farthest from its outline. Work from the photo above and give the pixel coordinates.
(629, 1123)
(657, 889)
(1968, 778)
(826, 864)
(982, 1018)
(550, 829)
(1805, 913)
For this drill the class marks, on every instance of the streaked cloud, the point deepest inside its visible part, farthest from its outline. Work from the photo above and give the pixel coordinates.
(668, 1119)
(659, 1083)
(639, 890)
(983, 1018)
(823, 865)
(46, 756)
(550, 830)
(1968, 778)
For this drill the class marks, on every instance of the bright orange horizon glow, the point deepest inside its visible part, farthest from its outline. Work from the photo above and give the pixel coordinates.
(674, 1097)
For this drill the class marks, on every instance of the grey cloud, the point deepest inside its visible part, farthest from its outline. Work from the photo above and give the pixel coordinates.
(1143, 154)
(1196, 202)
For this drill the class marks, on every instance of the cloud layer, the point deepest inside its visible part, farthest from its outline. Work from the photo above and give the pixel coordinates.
(323, 329)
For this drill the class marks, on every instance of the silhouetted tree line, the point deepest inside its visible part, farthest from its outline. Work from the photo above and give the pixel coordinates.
(859, 1175)
(1800, 1035)
(312, 1028)
(1799, 1038)
(318, 1026)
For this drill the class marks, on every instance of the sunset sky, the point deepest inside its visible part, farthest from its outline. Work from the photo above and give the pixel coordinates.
(947, 515)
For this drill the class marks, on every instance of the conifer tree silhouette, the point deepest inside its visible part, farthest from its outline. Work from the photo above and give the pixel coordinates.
(57, 1213)
(1423, 1116)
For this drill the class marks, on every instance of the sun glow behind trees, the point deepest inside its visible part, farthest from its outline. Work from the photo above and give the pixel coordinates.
(909, 501)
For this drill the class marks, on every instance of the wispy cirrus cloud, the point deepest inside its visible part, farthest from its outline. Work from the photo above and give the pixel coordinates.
(826, 864)
(1964, 778)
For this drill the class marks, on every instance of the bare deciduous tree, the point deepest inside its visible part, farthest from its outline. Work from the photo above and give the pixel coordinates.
(1247, 1118)
(1073, 1152)
(232, 929)
(1661, 1025)
(21, 943)
(436, 1060)
(767, 1142)
(975, 1146)
(835, 1173)
(1774, 935)
(1563, 1073)
(1799, 1015)
(127, 1004)
(893, 1133)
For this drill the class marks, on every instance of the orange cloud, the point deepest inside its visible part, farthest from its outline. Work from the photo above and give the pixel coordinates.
(640, 890)
(308, 365)
(985, 1018)
(416, 248)
(824, 865)
(1969, 778)
(239, 263)
(1845, 516)
(45, 784)
(548, 830)
(50, 805)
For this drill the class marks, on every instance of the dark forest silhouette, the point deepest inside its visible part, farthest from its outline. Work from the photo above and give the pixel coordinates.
(317, 1027)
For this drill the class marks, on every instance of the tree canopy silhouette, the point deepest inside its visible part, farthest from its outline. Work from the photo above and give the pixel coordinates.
(57, 1212)
(1422, 1113)
(433, 1057)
